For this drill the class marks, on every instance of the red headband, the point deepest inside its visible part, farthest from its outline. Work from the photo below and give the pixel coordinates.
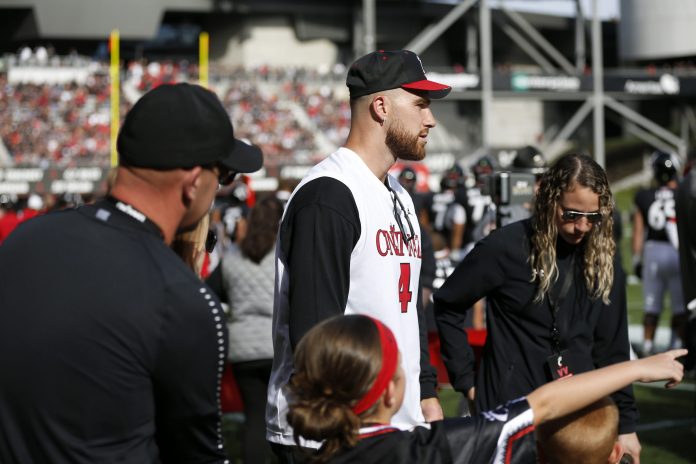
(390, 358)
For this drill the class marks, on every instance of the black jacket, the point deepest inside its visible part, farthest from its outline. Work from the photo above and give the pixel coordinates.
(505, 435)
(111, 349)
(514, 360)
(686, 225)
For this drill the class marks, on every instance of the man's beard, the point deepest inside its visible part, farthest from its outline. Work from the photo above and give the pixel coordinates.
(404, 146)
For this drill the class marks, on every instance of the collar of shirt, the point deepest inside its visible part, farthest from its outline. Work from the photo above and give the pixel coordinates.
(112, 209)
(376, 429)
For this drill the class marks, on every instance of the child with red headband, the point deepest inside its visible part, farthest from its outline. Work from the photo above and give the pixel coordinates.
(348, 383)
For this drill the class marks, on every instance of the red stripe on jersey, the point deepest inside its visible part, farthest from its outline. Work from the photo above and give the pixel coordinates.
(378, 432)
(513, 439)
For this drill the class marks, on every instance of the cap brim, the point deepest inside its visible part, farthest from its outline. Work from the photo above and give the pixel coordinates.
(244, 157)
(433, 89)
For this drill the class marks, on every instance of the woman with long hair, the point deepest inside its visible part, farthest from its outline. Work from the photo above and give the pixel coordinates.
(553, 309)
(248, 278)
(348, 384)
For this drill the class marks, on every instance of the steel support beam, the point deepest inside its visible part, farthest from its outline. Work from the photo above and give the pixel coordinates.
(649, 138)
(540, 40)
(579, 38)
(471, 46)
(645, 123)
(526, 47)
(486, 73)
(568, 129)
(431, 33)
(370, 22)
(691, 117)
(598, 85)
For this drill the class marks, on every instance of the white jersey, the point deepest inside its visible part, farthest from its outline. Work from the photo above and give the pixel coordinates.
(384, 280)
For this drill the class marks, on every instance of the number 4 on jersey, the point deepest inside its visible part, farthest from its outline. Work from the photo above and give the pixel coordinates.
(405, 293)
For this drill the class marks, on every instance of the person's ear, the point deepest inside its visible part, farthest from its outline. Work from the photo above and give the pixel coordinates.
(379, 108)
(616, 452)
(389, 398)
(191, 183)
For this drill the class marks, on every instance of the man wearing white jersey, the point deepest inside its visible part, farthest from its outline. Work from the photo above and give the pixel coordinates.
(349, 241)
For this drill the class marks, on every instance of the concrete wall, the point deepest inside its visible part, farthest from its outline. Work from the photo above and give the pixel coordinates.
(91, 19)
(516, 122)
(273, 41)
(657, 29)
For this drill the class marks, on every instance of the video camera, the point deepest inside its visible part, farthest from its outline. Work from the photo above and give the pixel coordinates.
(512, 188)
(509, 188)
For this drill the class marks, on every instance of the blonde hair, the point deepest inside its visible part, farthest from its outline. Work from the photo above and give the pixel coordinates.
(583, 437)
(190, 245)
(569, 172)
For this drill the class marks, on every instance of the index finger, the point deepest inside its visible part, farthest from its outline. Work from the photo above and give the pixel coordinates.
(677, 353)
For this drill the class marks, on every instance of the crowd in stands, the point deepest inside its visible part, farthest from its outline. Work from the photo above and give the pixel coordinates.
(144, 75)
(56, 124)
(331, 115)
(265, 120)
(283, 110)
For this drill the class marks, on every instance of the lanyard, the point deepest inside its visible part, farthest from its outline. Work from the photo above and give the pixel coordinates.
(129, 210)
(555, 306)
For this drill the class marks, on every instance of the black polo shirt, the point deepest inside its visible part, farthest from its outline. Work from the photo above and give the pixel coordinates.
(111, 350)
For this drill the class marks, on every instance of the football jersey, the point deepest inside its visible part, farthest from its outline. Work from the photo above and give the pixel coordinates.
(384, 279)
(657, 207)
(502, 436)
(481, 220)
(444, 212)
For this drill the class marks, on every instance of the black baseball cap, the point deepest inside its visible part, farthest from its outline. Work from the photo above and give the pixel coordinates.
(385, 70)
(182, 126)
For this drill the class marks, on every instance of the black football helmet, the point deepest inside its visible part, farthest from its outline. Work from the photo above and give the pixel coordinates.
(529, 159)
(665, 166)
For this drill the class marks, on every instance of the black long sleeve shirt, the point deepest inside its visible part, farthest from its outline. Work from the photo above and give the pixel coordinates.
(514, 360)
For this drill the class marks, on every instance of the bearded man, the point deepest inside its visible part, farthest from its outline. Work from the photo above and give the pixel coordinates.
(349, 242)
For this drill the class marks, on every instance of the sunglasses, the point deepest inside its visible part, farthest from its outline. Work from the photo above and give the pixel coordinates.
(397, 215)
(573, 216)
(225, 175)
(210, 241)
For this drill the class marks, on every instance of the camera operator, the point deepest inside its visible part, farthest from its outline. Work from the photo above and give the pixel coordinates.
(513, 190)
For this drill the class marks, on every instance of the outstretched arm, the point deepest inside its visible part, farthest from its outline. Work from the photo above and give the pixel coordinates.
(561, 397)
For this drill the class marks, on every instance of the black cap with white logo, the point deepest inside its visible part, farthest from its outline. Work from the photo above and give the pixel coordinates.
(385, 70)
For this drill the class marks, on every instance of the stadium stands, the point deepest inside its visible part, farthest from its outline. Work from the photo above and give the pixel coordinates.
(61, 124)
(67, 124)
(296, 115)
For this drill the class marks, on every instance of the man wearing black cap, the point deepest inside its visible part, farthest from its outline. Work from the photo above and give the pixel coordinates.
(111, 349)
(350, 242)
